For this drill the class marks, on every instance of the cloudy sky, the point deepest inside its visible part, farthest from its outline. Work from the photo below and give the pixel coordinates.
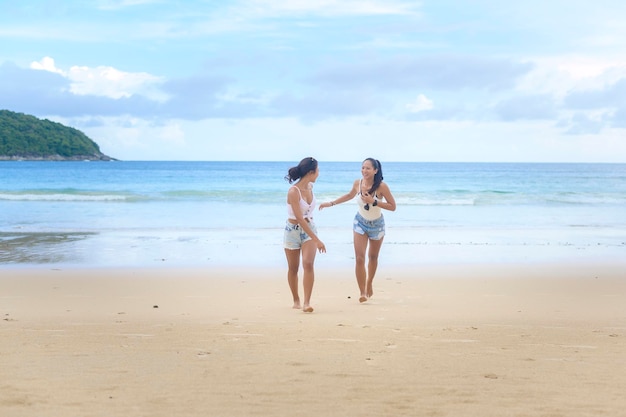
(400, 80)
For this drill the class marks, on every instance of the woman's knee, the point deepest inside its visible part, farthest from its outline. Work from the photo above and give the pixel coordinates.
(359, 258)
(308, 264)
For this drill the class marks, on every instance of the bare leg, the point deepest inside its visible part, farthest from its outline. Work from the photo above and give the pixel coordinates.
(372, 264)
(293, 263)
(308, 261)
(360, 246)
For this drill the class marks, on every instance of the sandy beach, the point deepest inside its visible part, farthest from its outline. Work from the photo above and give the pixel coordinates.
(437, 340)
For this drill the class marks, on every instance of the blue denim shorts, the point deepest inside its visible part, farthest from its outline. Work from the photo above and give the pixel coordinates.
(295, 237)
(374, 229)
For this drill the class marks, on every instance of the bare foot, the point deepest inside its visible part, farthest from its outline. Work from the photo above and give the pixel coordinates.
(296, 305)
(362, 299)
(370, 291)
(307, 309)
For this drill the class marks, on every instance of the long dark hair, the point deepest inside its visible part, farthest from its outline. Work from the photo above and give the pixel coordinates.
(304, 167)
(378, 177)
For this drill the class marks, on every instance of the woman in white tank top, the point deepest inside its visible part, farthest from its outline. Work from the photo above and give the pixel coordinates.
(300, 235)
(373, 195)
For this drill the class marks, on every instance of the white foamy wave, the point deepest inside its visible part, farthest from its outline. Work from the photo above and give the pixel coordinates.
(589, 199)
(434, 201)
(62, 197)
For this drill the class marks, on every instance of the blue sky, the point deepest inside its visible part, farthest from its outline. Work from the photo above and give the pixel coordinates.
(342, 80)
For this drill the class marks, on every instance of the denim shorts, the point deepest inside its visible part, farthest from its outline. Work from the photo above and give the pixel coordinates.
(295, 237)
(374, 229)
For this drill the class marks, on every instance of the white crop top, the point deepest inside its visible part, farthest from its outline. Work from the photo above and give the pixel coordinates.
(306, 208)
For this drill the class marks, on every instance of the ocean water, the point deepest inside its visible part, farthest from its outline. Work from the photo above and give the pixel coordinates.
(233, 213)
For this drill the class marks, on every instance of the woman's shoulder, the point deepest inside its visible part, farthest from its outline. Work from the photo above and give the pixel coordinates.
(383, 187)
(293, 190)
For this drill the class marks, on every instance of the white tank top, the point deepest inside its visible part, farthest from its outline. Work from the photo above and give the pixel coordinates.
(306, 208)
(373, 213)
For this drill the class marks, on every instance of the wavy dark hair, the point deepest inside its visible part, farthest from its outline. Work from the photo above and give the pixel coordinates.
(304, 167)
(378, 177)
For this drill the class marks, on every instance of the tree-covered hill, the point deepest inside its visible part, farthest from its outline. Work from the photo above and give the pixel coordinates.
(25, 137)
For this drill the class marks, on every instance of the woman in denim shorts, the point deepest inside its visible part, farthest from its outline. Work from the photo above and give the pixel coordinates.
(369, 223)
(300, 236)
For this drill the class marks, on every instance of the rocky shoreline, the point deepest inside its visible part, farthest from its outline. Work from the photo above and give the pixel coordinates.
(101, 157)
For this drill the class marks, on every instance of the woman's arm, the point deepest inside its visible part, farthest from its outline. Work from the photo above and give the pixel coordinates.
(346, 197)
(385, 193)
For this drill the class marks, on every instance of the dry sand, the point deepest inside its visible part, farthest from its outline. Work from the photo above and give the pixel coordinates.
(455, 340)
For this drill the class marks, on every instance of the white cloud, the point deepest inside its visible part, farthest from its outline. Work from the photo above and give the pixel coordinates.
(422, 103)
(112, 83)
(132, 138)
(580, 67)
(46, 64)
(105, 81)
(120, 4)
(563, 74)
(331, 7)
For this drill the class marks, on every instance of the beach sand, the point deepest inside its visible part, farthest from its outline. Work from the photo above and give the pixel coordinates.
(437, 340)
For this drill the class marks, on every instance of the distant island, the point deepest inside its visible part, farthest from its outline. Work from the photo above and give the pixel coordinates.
(27, 138)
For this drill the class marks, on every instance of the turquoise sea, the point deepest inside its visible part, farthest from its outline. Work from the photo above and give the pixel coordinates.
(232, 213)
